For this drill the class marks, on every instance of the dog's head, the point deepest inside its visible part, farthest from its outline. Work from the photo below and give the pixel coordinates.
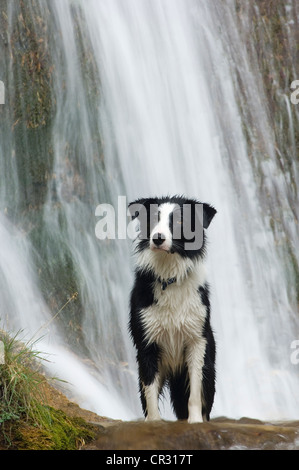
(172, 224)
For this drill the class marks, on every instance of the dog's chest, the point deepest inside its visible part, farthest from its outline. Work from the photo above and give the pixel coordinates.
(176, 318)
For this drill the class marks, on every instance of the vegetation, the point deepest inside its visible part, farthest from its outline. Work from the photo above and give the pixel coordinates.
(26, 420)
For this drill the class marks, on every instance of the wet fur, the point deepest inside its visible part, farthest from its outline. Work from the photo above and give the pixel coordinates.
(171, 328)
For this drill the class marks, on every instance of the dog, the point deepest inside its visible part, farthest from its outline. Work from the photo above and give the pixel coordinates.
(170, 307)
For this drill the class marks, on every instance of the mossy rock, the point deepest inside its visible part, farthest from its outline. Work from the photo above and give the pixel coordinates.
(58, 432)
(33, 103)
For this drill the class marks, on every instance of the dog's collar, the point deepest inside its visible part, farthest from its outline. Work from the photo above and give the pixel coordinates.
(166, 282)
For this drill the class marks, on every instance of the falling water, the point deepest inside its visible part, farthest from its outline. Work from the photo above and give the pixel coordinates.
(134, 98)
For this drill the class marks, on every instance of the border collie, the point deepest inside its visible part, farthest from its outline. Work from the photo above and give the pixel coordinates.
(170, 308)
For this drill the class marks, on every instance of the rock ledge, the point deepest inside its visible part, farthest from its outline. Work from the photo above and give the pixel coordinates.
(218, 434)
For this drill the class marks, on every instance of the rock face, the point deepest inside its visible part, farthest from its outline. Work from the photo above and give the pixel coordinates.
(218, 434)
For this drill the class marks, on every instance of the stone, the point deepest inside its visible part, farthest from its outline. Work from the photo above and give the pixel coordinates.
(218, 434)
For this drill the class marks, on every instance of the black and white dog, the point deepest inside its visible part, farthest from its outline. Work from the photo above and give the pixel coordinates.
(170, 308)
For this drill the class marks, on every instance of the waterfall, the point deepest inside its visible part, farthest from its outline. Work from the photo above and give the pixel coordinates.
(109, 98)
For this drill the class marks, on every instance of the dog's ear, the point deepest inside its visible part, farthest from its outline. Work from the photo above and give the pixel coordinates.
(208, 214)
(135, 207)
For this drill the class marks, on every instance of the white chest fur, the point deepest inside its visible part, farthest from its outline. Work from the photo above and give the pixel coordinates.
(175, 321)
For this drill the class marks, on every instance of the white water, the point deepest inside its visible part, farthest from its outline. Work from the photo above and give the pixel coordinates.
(169, 122)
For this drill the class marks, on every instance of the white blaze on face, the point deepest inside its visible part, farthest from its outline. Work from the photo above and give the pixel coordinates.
(161, 235)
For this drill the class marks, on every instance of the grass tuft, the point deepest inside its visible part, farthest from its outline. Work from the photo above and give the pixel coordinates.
(20, 380)
(26, 420)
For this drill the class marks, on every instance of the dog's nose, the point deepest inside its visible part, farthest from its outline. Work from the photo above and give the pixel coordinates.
(158, 238)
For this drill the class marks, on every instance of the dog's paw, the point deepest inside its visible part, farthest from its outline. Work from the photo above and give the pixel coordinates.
(195, 415)
(195, 419)
(153, 418)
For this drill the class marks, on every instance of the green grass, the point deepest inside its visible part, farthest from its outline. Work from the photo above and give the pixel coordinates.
(20, 391)
(26, 421)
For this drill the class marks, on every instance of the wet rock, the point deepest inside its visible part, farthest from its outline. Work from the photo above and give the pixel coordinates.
(218, 434)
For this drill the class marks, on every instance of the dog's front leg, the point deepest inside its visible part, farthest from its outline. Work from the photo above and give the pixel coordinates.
(150, 380)
(195, 364)
(151, 394)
